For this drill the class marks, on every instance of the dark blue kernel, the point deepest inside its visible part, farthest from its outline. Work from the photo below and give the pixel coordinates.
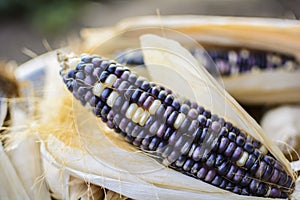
(230, 149)
(197, 134)
(103, 76)
(145, 86)
(142, 98)
(136, 95)
(231, 136)
(71, 73)
(253, 185)
(219, 160)
(246, 179)
(256, 144)
(283, 178)
(249, 147)
(161, 146)
(269, 160)
(202, 120)
(228, 125)
(250, 161)
(268, 173)
(171, 119)
(94, 101)
(188, 165)
(231, 172)
(200, 109)
(154, 143)
(119, 71)
(105, 93)
(235, 130)
(169, 99)
(262, 189)
(79, 66)
(223, 144)
(211, 160)
(240, 133)
(208, 123)
(176, 104)
(203, 135)
(257, 153)
(111, 68)
(105, 110)
(207, 114)
(155, 91)
(240, 140)
(224, 167)
(162, 95)
(223, 132)
(167, 112)
(254, 167)
(217, 180)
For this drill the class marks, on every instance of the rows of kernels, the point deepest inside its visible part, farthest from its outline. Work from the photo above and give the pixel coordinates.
(232, 61)
(183, 135)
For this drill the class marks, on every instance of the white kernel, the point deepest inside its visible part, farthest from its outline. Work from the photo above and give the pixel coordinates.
(154, 106)
(112, 98)
(144, 117)
(110, 80)
(179, 120)
(263, 150)
(241, 162)
(97, 89)
(137, 115)
(131, 110)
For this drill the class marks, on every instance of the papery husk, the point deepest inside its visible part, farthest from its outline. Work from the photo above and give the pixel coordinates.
(281, 125)
(274, 35)
(22, 148)
(11, 185)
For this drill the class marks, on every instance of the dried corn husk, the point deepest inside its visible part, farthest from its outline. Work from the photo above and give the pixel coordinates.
(262, 34)
(281, 124)
(11, 186)
(77, 146)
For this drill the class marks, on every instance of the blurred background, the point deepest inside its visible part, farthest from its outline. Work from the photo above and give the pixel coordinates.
(27, 24)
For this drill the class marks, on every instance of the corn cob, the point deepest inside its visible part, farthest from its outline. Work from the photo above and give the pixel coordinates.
(181, 134)
(229, 62)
